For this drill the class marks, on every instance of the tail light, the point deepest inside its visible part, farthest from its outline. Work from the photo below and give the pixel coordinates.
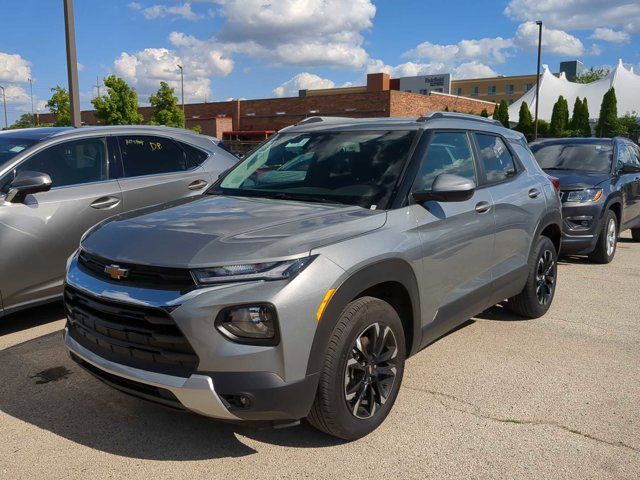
(556, 182)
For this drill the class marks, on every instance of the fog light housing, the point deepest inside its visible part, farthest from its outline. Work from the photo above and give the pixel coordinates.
(250, 324)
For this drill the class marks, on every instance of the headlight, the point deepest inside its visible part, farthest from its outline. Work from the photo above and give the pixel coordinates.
(583, 196)
(249, 324)
(255, 271)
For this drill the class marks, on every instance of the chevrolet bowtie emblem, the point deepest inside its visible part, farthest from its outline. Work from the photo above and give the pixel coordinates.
(115, 272)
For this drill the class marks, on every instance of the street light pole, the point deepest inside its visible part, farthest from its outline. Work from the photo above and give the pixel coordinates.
(33, 118)
(184, 115)
(535, 124)
(4, 101)
(72, 63)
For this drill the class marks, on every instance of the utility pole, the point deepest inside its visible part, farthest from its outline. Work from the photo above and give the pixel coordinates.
(98, 85)
(33, 118)
(72, 63)
(184, 115)
(535, 123)
(4, 101)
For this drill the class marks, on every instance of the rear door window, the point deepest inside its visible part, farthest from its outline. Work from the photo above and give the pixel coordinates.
(195, 156)
(149, 155)
(495, 157)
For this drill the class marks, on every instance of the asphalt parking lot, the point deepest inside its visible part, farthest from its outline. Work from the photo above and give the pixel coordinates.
(557, 397)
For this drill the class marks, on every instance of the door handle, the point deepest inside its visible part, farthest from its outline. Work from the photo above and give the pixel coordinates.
(483, 207)
(104, 203)
(197, 185)
(534, 193)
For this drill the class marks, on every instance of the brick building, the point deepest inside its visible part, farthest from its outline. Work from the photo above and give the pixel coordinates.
(376, 99)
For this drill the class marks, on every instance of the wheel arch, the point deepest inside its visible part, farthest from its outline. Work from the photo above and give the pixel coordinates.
(391, 280)
(549, 226)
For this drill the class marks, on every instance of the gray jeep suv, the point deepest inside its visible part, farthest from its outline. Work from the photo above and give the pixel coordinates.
(301, 296)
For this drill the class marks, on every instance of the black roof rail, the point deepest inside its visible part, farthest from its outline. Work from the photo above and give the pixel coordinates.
(459, 116)
(318, 119)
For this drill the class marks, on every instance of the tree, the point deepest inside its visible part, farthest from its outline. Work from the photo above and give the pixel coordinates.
(120, 105)
(629, 124)
(60, 105)
(525, 120)
(591, 75)
(196, 128)
(608, 124)
(543, 128)
(446, 108)
(559, 118)
(165, 107)
(25, 121)
(582, 125)
(577, 111)
(484, 113)
(501, 113)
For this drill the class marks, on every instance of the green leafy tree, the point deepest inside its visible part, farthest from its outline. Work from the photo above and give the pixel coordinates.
(166, 110)
(582, 125)
(608, 124)
(484, 113)
(120, 105)
(629, 124)
(25, 121)
(501, 113)
(575, 117)
(559, 118)
(60, 105)
(196, 128)
(543, 128)
(592, 75)
(525, 120)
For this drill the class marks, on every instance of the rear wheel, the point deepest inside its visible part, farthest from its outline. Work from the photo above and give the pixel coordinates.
(607, 240)
(635, 234)
(535, 298)
(362, 372)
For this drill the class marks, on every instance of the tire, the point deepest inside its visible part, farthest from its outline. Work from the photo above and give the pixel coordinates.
(605, 250)
(635, 234)
(537, 295)
(346, 371)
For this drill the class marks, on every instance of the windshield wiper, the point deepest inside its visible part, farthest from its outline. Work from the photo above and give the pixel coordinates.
(303, 198)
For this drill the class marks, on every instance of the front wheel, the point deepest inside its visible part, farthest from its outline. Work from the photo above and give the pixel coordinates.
(362, 371)
(607, 240)
(535, 298)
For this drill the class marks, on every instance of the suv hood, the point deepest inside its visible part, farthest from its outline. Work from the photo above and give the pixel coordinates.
(213, 230)
(575, 180)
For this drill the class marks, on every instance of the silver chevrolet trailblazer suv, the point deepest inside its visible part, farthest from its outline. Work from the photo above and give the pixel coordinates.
(300, 282)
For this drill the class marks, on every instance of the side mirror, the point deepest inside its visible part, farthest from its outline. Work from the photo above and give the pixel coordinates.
(628, 168)
(26, 183)
(447, 188)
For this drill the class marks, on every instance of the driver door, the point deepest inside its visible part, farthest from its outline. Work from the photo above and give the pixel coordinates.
(39, 234)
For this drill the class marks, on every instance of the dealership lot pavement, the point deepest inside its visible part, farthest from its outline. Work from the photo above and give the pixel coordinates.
(557, 397)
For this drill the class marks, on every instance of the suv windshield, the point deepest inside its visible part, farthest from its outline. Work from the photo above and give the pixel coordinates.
(589, 157)
(10, 147)
(350, 167)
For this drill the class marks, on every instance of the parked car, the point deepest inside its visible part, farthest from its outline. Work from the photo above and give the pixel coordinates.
(303, 298)
(600, 183)
(55, 183)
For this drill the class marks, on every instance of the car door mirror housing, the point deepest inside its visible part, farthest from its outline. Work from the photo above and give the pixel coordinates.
(27, 183)
(447, 188)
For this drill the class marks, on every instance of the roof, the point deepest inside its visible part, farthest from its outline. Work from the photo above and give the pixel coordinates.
(625, 82)
(443, 120)
(39, 133)
(572, 140)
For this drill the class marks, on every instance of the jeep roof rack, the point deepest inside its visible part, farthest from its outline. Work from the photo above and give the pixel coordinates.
(458, 116)
(318, 119)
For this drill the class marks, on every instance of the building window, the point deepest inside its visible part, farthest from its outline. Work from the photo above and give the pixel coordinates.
(491, 89)
(528, 87)
(474, 92)
(459, 91)
(424, 91)
(510, 89)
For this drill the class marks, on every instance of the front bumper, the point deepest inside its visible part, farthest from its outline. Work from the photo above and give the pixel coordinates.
(580, 227)
(274, 379)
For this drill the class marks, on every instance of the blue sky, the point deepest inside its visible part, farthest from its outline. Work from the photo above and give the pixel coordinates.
(261, 48)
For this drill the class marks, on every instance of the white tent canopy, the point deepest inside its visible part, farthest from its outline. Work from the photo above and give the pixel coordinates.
(625, 82)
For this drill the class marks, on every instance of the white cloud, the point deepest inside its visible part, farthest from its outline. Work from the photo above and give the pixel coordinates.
(14, 68)
(491, 50)
(595, 49)
(146, 68)
(471, 69)
(578, 14)
(159, 11)
(557, 42)
(302, 81)
(610, 35)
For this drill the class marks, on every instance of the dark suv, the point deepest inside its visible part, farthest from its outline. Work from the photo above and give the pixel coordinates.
(600, 184)
(300, 283)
